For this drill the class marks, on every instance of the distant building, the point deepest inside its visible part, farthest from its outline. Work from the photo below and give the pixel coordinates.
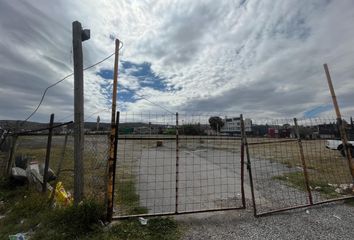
(280, 132)
(328, 131)
(233, 126)
(210, 132)
(146, 130)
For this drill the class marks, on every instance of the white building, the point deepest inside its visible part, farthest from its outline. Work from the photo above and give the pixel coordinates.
(233, 125)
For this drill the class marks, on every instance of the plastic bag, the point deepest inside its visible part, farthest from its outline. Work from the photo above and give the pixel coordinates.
(18, 236)
(62, 197)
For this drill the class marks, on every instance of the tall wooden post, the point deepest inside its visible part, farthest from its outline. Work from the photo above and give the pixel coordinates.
(79, 35)
(113, 139)
(343, 134)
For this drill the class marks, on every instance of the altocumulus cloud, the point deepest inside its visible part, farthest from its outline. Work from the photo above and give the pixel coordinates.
(263, 58)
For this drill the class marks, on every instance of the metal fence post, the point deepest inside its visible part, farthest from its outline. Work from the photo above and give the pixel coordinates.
(177, 162)
(11, 155)
(111, 160)
(242, 163)
(111, 171)
(303, 161)
(249, 167)
(47, 155)
(115, 160)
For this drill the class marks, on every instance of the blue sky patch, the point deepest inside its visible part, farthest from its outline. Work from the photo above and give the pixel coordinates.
(317, 110)
(147, 78)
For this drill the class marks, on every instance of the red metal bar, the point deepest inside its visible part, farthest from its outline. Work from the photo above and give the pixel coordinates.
(271, 142)
(302, 206)
(174, 213)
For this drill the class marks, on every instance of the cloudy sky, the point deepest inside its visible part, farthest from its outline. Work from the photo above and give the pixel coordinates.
(261, 58)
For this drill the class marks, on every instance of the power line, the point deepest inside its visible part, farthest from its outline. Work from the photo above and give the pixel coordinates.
(43, 95)
(99, 111)
(56, 83)
(89, 115)
(67, 116)
(141, 96)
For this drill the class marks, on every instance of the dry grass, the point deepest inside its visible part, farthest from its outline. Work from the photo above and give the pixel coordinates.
(95, 159)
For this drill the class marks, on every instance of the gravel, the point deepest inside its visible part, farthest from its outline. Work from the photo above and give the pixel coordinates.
(328, 221)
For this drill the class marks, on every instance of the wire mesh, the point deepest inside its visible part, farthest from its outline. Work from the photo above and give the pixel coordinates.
(31, 150)
(328, 169)
(169, 164)
(5, 147)
(280, 164)
(96, 153)
(145, 173)
(210, 166)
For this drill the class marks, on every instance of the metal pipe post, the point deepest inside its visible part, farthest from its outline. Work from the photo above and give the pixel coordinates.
(242, 163)
(303, 162)
(177, 162)
(249, 168)
(113, 138)
(47, 156)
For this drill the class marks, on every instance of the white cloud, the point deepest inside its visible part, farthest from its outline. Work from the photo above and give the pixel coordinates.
(263, 58)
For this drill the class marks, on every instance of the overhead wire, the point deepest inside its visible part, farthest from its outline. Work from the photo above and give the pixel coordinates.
(84, 69)
(99, 111)
(141, 96)
(61, 80)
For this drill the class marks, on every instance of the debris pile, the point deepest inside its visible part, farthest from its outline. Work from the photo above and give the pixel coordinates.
(343, 188)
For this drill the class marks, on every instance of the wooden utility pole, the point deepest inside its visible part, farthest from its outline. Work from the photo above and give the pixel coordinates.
(331, 89)
(79, 35)
(113, 139)
(343, 134)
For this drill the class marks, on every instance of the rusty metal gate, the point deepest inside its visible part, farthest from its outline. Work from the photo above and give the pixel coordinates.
(291, 167)
(175, 164)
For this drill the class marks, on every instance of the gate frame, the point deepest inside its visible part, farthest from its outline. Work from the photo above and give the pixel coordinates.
(304, 167)
(176, 212)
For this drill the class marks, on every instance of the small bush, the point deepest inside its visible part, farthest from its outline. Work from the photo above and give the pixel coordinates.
(78, 220)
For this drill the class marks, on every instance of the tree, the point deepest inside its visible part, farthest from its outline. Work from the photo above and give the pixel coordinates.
(216, 123)
(192, 129)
